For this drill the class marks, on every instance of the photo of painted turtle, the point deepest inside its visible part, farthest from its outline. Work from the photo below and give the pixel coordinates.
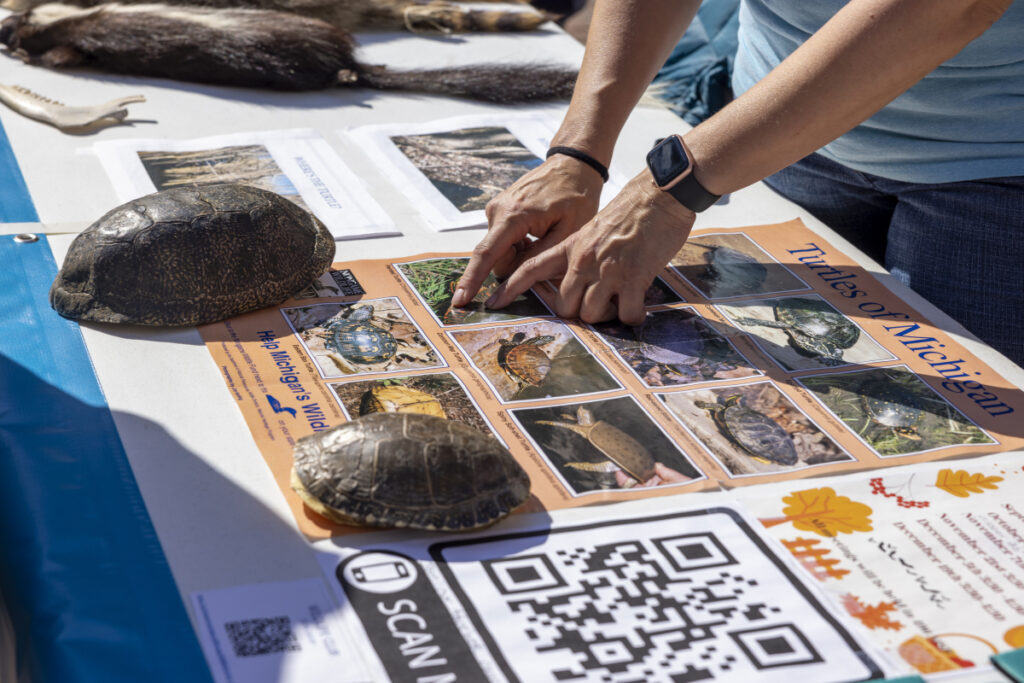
(408, 470)
(623, 451)
(358, 340)
(191, 255)
(396, 398)
(814, 328)
(524, 360)
(757, 434)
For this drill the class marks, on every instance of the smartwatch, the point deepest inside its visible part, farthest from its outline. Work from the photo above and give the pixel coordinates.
(671, 164)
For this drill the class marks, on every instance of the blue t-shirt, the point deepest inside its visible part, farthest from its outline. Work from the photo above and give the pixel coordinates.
(963, 121)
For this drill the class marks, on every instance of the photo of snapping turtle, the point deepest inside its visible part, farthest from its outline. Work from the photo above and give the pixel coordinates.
(894, 412)
(534, 360)
(730, 264)
(804, 332)
(362, 338)
(437, 394)
(675, 347)
(468, 166)
(435, 280)
(605, 445)
(753, 429)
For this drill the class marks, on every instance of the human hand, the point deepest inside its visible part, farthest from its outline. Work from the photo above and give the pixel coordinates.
(662, 475)
(550, 202)
(609, 263)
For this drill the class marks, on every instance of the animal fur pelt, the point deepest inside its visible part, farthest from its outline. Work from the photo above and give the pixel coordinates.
(359, 15)
(246, 47)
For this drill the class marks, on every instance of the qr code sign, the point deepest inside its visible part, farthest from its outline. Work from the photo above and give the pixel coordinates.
(687, 597)
(251, 637)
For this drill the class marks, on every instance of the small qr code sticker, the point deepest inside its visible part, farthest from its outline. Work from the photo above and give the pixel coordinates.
(251, 637)
(686, 597)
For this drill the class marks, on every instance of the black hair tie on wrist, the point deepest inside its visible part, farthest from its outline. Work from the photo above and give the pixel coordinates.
(582, 156)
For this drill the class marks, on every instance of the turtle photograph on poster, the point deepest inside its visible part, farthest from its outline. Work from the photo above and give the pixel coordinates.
(361, 338)
(435, 280)
(894, 412)
(535, 360)
(804, 332)
(437, 394)
(606, 444)
(753, 429)
(673, 347)
(731, 264)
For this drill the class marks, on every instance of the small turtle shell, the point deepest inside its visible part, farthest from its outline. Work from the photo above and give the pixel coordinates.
(817, 319)
(408, 470)
(758, 434)
(191, 255)
(529, 363)
(623, 450)
(362, 342)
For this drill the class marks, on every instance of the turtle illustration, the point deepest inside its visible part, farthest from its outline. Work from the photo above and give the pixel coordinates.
(814, 328)
(891, 406)
(730, 272)
(683, 347)
(523, 360)
(623, 451)
(357, 340)
(758, 435)
(395, 398)
(191, 255)
(408, 470)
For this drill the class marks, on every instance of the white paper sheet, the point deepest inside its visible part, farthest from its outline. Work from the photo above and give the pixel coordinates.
(298, 164)
(280, 632)
(512, 143)
(625, 594)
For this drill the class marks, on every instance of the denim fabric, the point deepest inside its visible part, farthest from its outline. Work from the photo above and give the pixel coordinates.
(695, 80)
(960, 245)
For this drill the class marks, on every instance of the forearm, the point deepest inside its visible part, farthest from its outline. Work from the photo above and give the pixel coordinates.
(628, 42)
(865, 56)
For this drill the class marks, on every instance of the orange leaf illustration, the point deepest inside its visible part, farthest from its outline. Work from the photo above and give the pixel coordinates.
(823, 512)
(962, 483)
(872, 616)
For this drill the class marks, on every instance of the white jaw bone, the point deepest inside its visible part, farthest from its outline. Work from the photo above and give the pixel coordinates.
(28, 103)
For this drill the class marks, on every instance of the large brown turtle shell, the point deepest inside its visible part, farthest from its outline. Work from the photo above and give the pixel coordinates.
(191, 255)
(408, 470)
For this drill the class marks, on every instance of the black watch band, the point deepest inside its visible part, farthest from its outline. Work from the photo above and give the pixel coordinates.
(671, 165)
(581, 156)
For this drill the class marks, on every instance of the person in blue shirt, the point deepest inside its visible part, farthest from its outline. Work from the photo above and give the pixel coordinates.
(899, 123)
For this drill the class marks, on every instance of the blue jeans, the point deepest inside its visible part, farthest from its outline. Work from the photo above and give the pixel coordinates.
(959, 245)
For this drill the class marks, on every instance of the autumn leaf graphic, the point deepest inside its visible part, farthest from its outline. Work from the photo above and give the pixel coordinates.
(962, 483)
(872, 616)
(823, 512)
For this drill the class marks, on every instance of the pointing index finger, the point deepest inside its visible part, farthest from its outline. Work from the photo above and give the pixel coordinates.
(490, 249)
(544, 266)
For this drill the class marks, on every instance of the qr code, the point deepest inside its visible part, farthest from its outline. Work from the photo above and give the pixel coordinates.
(675, 599)
(251, 637)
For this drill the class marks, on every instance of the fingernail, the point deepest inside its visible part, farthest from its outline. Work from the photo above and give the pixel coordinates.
(460, 293)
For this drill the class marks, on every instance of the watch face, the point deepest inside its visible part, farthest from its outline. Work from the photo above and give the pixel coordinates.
(667, 160)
